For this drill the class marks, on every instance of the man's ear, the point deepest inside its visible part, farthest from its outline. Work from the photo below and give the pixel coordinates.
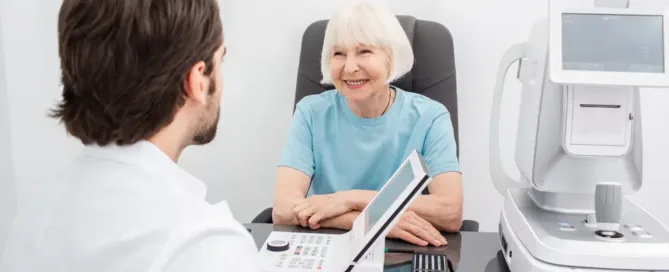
(196, 84)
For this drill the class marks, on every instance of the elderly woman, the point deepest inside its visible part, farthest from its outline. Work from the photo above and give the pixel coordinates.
(345, 143)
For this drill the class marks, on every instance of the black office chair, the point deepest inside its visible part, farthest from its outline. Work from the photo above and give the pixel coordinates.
(433, 74)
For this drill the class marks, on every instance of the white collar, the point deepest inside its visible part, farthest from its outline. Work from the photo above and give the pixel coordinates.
(147, 155)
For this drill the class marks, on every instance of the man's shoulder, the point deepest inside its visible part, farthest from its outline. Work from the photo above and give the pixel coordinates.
(98, 169)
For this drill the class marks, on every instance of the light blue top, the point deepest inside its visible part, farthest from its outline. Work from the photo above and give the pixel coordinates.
(341, 151)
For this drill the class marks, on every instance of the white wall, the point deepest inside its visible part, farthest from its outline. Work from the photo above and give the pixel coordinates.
(260, 75)
(7, 190)
(40, 146)
(260, 84)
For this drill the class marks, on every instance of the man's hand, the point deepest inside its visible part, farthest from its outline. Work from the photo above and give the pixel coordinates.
(312, 210)
(416, 230)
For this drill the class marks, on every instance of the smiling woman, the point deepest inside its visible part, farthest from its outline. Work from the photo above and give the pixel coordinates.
(371, 29)
(346, 142)
(365, 48)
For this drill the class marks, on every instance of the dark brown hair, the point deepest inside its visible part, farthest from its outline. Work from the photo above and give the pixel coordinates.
(124, 62)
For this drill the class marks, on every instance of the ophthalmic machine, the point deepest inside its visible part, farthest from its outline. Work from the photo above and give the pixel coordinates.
(579, 142)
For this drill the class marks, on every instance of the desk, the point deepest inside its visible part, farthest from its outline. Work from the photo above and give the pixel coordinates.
(468, 251)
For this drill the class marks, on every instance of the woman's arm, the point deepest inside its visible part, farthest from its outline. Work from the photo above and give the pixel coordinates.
(337, 210)
(443, 206)
(291, 189)
(344, 221)
(295, 168)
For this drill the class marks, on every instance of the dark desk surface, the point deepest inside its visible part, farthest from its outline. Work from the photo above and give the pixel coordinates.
(468, 251)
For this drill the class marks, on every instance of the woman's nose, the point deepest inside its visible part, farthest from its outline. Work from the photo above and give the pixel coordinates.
(351, 65)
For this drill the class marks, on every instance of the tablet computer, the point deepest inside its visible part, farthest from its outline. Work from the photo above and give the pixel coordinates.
(383, 212)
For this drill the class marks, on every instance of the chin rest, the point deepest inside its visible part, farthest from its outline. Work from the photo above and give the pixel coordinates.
(265, 217)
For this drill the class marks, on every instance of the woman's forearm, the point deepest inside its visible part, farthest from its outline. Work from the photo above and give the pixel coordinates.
(280, 217)
(344, 221)
(359, 199)
(291, 189)
(443, 206)
(442, 213)
(282, 212)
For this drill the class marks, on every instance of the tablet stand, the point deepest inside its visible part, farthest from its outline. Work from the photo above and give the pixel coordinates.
(373, 260)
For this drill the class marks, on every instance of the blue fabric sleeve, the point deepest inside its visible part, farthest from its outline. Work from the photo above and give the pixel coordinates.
(298, 152)
(440, 149)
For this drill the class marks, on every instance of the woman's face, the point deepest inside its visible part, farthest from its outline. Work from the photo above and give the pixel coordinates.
(359, 72)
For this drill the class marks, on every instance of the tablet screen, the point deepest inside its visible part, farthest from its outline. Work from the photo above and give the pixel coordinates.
(389, 195)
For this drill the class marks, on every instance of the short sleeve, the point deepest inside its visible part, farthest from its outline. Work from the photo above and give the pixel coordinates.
(298, 151)
(440, 149)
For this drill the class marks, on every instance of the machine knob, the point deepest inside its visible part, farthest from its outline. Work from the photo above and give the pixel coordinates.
(608, 207)
(277, 245)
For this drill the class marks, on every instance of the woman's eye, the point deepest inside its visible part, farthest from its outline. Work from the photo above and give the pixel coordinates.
(366, 51)
(338, 54)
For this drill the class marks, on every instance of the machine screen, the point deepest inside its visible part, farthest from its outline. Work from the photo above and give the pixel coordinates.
(389, 194)
(613, 43)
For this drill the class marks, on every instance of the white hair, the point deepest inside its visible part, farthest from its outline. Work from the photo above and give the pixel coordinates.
(370, 23)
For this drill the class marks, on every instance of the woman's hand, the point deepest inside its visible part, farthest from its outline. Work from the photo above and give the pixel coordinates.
(416, 230)
(320, 207)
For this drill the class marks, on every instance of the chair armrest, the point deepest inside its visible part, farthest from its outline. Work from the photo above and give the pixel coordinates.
(264, 217)
(467, 225)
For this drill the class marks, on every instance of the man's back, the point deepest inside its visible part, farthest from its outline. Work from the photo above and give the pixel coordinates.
(141, 81)
(126, 209)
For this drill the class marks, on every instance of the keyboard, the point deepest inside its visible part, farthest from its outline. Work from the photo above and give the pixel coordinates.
(430, 262)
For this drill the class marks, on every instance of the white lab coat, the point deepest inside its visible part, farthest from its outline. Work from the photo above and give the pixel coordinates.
(126, 209)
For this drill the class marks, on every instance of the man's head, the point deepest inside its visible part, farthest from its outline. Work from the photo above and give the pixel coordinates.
(132, 69)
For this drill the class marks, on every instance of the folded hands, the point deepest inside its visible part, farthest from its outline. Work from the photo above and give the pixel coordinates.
(411, 227)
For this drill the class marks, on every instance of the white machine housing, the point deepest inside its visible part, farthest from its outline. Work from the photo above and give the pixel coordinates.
(580, 126)
(362, 249)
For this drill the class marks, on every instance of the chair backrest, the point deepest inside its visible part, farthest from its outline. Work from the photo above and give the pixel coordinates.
(432, 75)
